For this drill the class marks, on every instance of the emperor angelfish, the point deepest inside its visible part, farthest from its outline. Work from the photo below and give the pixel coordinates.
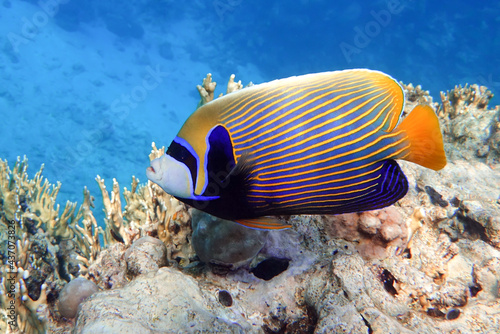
(321, 143)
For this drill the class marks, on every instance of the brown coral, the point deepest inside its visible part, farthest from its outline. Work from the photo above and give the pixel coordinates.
(206, 90)
(460, 99)
(468, 122)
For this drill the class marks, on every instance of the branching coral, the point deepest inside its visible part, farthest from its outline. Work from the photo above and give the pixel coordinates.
(416, 94)
(233, 86)
(11, 189)
(37, 243)
(87, 237)
(207, 88)
(113, 209)
(460, 99)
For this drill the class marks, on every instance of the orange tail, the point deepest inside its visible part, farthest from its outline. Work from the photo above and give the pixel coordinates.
(426, 142)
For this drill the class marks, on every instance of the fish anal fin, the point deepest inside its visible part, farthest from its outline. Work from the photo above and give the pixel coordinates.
(426, 141)
(392, 185)
(264, 223)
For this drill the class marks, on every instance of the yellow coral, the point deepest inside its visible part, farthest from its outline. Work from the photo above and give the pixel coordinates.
(12, 186)
(88, 237)
(113, 210)
(30, 218)
(206, 90)
(34, 199)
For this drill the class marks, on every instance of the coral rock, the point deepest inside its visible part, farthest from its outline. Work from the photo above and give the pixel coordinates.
(222, 242)
(368, 223)
(146, 254)
(169, 301)
(73, 294)
(109, 269)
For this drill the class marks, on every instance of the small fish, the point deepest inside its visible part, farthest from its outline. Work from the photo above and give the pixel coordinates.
(321, 143)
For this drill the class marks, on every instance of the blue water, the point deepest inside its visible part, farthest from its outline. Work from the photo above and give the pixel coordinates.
(86, 86)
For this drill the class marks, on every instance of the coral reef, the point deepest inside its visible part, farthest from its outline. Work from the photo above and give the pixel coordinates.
(416, 95)
(373, 231)
(42, 250)
(146, 254)
(428, 264)
(38, 249)
(469, 122)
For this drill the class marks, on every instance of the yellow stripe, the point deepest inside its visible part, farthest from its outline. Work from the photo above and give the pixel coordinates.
(267, 185)
(288, 139)
(266, 115)
(264, 92)
(266, 89)
(303, 114)
(396, 143)
(330, 140)
(349, 143)
(262, 225)
(326, 195)
(314, 191)
(385, 86)
(235, 112)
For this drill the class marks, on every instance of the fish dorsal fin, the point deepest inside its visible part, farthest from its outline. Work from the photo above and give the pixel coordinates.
(393, 97)
(264, 223)
(346, 91)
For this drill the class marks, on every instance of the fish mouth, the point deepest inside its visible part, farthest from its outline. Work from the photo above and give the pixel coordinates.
(151, 169)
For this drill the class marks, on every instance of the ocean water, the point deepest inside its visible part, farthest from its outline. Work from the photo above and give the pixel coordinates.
(86, 86)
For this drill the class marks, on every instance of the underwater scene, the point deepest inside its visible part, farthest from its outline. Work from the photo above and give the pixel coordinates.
(231, 166)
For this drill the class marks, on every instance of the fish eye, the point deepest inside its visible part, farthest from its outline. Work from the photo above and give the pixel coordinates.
(182, 154)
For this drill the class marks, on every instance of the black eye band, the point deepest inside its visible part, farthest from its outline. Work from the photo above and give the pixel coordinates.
(182, 154)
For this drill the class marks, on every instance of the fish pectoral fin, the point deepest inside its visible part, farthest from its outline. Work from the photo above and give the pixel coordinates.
(243, 167)
(264, 223)
(426, 141)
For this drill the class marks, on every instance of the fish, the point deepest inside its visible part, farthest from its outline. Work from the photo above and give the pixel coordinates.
(322, 143)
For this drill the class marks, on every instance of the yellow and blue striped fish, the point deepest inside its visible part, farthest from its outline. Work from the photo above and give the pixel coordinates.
(320, 143)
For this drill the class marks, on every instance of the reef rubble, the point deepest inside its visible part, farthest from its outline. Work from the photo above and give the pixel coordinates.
(428, 264)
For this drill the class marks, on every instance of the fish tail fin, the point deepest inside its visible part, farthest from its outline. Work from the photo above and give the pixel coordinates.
(426, 141)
